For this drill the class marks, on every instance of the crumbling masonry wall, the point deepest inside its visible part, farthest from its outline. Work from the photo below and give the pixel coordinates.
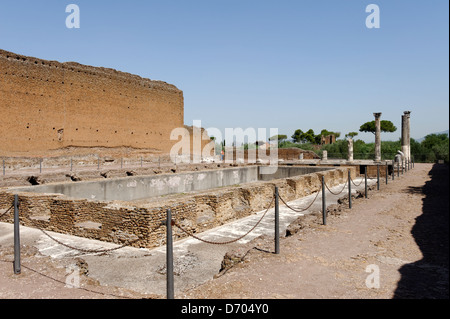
(47, 105)
(119, 223)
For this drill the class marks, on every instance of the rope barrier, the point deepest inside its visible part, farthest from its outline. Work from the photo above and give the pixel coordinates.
(181, 228)
(355, 183)
(225, 242)
(345, 184)
(89, 251)
(303, 209)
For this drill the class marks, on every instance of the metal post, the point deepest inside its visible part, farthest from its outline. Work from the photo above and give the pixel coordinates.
(4, 167)
(403, 166)
(413, 161)
(40, 165)
(387, 171)
(393, 170)
(349, 190)
(169, 256)
(277, 223)
(378, 177)
(71, 164)
(398, 169)
(16, 263)
(324, 205)
(365, 178)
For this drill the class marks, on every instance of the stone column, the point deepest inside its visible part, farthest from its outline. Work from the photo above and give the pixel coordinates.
(377, 137)
(350, 150)
(324, 155)
(406, 140)
(408, 130)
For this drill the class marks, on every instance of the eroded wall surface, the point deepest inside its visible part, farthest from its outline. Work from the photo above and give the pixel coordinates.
(121, 224)
(47, 105)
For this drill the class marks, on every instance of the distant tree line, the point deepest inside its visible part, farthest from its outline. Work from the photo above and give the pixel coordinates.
(434, 147)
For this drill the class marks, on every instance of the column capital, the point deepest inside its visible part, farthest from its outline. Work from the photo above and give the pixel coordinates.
(407, 113)
(377, 115)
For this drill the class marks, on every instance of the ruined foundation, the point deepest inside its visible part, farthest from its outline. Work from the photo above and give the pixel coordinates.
(132, 210)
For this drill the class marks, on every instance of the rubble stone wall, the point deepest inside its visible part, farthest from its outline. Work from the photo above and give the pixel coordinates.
(120, 223)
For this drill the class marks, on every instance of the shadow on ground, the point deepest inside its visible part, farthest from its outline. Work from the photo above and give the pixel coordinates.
(428, 277)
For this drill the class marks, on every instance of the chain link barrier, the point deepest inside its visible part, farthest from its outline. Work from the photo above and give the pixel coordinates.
(225, 242)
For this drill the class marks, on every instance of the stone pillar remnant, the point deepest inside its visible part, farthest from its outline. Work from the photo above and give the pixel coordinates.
(377, 137)
(406, 139)
(350, 150)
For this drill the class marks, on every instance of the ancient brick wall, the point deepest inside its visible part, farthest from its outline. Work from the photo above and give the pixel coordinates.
(47, 105)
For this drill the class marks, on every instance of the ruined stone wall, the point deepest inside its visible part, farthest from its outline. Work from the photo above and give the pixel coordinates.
(198, 212)
(47, 105)
(283, 153)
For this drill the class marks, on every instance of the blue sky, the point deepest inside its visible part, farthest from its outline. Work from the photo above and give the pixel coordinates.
(260, 64)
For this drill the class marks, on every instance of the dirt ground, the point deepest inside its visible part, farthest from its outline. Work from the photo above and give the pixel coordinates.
(394, 244)
(398, 235)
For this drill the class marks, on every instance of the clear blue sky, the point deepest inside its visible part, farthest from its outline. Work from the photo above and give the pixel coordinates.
(261, 64)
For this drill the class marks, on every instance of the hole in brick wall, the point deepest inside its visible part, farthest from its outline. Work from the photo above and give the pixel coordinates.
(362, 169)
(33, 180)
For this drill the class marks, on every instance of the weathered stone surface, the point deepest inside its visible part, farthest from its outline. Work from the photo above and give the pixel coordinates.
(123, 222)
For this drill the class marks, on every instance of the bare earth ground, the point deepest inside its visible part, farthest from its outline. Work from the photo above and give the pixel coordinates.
(401, 231)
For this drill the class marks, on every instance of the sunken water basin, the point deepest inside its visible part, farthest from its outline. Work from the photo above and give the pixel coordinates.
(131, 210)
(142, 187)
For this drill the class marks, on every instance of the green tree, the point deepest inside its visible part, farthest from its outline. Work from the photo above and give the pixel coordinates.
(351, 134)
(435, 147)
(280, 138)
(385, 126)
(308, 137)
(297, 136)
(325, 132)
